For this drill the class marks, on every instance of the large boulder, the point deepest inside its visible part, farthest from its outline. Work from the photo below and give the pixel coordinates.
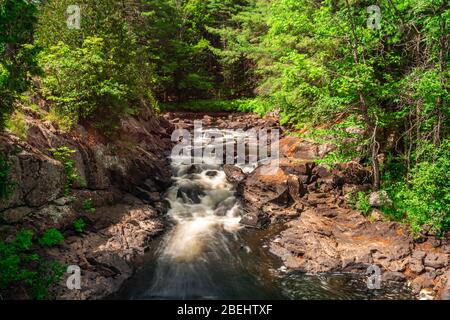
(234, 174)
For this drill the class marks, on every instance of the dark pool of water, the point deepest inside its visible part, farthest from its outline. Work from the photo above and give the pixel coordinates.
(249, 272)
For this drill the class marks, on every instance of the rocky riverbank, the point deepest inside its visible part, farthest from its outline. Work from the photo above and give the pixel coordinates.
(324, 234)
(122, 177)
(126, 175)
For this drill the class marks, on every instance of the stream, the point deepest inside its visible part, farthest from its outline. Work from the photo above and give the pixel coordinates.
(207, 254)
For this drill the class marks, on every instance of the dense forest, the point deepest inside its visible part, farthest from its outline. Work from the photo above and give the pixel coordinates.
(370, 77)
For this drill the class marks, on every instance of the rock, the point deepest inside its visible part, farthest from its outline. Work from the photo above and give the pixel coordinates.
(15, 215)
(393, 276)
(255, 220)
(322, 172)
(212, 173)
(234, 174)
(131, 200)
(224, 206)
(58, 215)
(420, 255)
(190, 192)
(436, 260)
(380, 199)
(445, 294)
(296, 188)
(416, 265)
(317, 198)
(63, 201)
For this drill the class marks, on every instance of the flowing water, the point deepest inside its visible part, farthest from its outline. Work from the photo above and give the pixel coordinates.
(208, 255)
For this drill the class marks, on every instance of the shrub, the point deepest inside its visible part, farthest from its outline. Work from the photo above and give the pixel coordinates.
(17, 125)
(63, 155)
(21, 267)
(363, 203)
(425, 199)
(51, 237)
(79, 225)
(88, 206)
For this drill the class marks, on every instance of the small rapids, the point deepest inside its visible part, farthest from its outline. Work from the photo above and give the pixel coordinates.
(207, 254)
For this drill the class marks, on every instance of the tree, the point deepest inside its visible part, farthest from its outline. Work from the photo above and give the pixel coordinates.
(17, 54)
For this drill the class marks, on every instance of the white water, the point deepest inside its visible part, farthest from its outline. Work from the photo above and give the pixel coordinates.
(206, 215)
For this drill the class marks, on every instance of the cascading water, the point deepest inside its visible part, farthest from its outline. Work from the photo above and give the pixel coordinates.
(208, 255)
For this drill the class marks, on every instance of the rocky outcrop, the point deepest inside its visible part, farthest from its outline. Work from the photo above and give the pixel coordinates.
(118, 234)
(122, 176)
(296, 185)
(323, 234)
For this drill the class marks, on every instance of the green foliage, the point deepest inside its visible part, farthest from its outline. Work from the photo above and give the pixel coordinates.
(50, 238)
(236, 105)
(362, 203)
(6, 186)
(17, 56)
(21, 267)
(17, 125)
(80, 84)
(79, 225)
(88, 206)
(64, 155)
(424, 201)
(101, 72)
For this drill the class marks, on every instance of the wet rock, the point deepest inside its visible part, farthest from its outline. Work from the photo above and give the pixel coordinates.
(191, 192)
(255, 219)
(234, 174)
(224, 207)
(211, 173)
(393, 276)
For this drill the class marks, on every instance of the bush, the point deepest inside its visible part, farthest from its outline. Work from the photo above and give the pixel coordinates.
(88, 206)
(80, 83)
(21, 267)
(17, 125)
(79, 225)
(362, 203)
(424, 200)
(209, 105)
(51, 237)
(63, 155)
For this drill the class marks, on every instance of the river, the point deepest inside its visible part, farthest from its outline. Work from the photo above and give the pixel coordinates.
(207, 254)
